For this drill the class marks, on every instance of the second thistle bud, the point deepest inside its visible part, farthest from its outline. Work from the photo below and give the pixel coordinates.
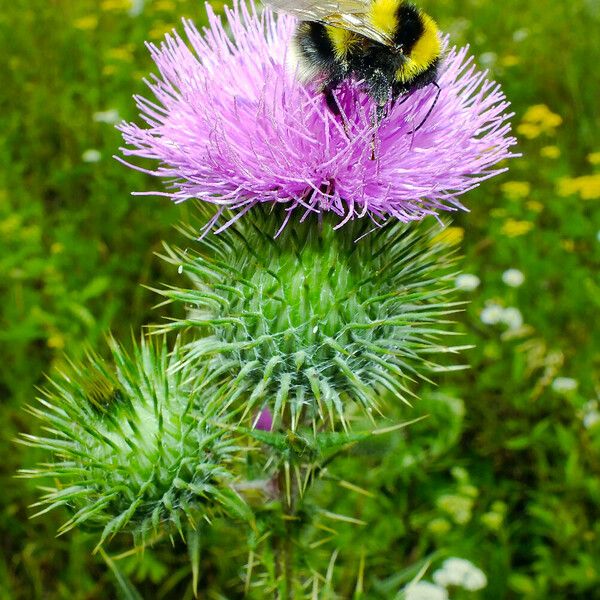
(133, 447)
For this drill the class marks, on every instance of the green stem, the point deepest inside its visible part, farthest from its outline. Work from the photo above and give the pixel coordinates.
(283, 542)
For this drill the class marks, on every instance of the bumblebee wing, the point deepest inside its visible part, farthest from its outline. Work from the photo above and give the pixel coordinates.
(352, 15)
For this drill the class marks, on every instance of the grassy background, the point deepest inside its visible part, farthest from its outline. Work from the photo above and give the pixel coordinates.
(506, 474)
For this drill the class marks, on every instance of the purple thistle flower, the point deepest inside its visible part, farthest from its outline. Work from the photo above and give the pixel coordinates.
(232, 125)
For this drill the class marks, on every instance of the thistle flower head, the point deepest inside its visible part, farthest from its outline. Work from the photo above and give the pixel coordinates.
(132, 446)
(230, 124)
(309, 322)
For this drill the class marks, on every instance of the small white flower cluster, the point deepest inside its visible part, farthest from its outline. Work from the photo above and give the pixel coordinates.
(91, 156)
(494, 313)
(564, 385)
(467, 282)
(520, 34)
(457, 572)
(591, 414)
(461, 573)
(488, 59)
(110, 117)
(423, 590)
(137, 7)
(513, 278)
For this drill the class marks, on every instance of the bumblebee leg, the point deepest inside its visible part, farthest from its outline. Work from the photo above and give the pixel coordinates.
(437, 96)
(334, 107)
(381, 112)
(399, 100)
(331, 101)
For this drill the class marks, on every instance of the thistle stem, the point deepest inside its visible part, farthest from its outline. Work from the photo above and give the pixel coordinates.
(283, 537)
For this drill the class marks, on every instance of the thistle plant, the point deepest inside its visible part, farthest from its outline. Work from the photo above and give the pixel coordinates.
(294, 328)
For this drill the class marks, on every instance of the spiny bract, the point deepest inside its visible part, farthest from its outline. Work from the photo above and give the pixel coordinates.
(305, 322)
(133, 446)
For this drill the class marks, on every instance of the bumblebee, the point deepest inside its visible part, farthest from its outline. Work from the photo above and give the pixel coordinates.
(391, 46)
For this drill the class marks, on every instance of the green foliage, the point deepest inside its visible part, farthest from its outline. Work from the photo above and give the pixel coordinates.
(74, 249)
(313, 320)
(133, 447)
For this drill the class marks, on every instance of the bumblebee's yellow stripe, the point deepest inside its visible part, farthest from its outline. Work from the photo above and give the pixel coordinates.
(342, 40)
(383, 15)
(423, 53)
(428, 47)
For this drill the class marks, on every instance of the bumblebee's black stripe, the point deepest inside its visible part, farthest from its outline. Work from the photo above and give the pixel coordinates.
(410, 27)
(315, 43)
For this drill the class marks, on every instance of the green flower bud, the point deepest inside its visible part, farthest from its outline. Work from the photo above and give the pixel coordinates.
(133, 446)
(315, 319)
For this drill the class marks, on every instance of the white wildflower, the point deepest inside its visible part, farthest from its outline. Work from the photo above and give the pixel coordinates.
(488, 59)
(520, 34)
(467, 282)
(461, 573)
(111, 117)
(137, 7)
(423, 590)
(91, 156)
(491, 314)
(512, 317)
(591, 418)
(513, 277)
(591, 414)
(564, 384)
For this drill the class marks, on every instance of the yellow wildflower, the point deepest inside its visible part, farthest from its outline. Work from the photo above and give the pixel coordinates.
(450, 236)
(567, 186)
(568, 245)
(529, 130)
(116, 5)
(514, 228)
(535, 206)
(165, 6)
(539, 119)
(542, 115)
(159, 30)
(510, 60)
(516, 190)
(550, 152)
(56, 341)
(86, 23)
(587, 186)
(594, 158)
(122, 53)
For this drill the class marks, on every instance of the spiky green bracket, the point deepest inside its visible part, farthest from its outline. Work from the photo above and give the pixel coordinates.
(133, 446)
(314, 320)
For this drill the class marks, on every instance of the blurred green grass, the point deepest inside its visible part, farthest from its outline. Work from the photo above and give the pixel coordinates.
(76, 250)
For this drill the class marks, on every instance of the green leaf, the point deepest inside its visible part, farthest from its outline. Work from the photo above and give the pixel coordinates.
(193, 543)
(126, 589)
